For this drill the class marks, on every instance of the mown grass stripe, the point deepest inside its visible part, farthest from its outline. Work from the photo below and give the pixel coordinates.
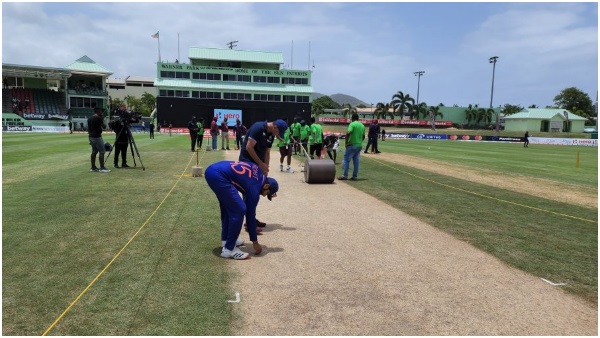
(482, 195)
(89, 286)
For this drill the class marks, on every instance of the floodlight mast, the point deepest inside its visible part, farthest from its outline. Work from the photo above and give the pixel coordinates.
(232, 44)
(493, 60)
(419, 73)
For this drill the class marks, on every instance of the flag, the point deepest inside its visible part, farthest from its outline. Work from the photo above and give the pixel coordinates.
(155, 36)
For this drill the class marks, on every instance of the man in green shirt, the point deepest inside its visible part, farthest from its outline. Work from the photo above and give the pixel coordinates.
(296, 135)
(354, 139)
(316, 132)
(285, 150)
(304, 130)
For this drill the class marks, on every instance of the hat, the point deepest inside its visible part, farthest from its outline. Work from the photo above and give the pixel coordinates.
(273, 187)
(282, 126)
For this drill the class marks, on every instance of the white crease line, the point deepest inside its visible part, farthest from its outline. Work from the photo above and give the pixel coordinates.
(553, 284)
(237, 298)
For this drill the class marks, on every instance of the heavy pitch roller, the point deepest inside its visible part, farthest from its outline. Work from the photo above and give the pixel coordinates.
(318, 171)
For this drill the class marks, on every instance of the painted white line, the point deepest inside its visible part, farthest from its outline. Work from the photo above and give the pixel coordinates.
(553, 284)
(237, 298)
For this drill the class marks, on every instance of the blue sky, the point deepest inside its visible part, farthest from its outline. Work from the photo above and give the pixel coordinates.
(367, 50)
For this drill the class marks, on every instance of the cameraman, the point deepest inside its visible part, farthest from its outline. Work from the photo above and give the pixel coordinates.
(121, 141)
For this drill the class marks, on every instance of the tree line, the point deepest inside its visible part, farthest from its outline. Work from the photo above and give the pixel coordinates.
(401, 104)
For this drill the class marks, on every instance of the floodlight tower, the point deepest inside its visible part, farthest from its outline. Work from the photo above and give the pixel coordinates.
(232, 44)
(419, 73)
(493, 60)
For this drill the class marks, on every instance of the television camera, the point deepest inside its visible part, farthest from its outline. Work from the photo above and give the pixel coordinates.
(127, 116)
(121, 126)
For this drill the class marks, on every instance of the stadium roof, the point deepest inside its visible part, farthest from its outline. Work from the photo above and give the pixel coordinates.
(543, 114)
(139, 79)
(206, 85)
(86, 65)
(35, 71)
(235, 55)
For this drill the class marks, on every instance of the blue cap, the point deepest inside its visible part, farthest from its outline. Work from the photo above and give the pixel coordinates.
(282, 126)
(273, 187)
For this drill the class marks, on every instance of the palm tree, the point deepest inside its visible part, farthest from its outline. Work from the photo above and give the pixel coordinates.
(379, 111)
(317, 109)
(436, 112)
(382, 109)
(348, 110)
(386, 110)
(421, 110)
(400, 102)
(485, 115)
(433, 113)
(471, 114)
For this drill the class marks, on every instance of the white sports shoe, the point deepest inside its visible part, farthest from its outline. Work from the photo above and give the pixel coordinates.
(235, 253)
(290, 170)
(238, 242)
(281, 167)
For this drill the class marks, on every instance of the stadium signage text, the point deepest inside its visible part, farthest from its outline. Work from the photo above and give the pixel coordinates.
(16, 128)
(34, 116)
(235, 70)
(386, 122)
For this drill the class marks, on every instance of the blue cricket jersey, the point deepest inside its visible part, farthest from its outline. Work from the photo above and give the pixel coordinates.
(247, 178)
(264, 141)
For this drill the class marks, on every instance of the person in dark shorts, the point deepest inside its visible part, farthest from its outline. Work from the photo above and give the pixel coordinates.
(95, 126)
(257, 144)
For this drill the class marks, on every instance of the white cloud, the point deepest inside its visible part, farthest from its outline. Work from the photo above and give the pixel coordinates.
(368, 50)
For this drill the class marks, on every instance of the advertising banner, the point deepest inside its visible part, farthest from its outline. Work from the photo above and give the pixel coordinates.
(429, 136)
(387, 122)
(564, 141)
(231, 114)
(16, 128)
(37, 116)
(36, 129)
(467, 138)
(397, 136)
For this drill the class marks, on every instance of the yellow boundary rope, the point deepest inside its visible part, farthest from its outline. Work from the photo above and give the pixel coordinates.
(118, 253)
(485, 196)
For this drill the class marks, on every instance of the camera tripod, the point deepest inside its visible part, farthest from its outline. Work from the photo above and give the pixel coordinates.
(131, 142)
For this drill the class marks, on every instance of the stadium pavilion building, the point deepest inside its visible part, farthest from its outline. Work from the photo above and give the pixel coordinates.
(46, 97)
(237, 84)
(249, 85)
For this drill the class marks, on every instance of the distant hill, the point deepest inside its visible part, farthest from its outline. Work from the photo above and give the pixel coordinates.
(342, 99)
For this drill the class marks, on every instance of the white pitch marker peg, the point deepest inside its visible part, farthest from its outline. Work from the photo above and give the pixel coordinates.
(237, 298)
(553, 284)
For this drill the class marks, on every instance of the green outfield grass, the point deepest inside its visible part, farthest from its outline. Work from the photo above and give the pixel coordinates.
(133, 252)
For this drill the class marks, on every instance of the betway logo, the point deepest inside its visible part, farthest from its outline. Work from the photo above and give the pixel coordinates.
(34, 116)
(59, 116)
(18, 128)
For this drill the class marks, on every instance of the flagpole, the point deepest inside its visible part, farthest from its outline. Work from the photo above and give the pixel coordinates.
(178, 48)
(159, 49)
